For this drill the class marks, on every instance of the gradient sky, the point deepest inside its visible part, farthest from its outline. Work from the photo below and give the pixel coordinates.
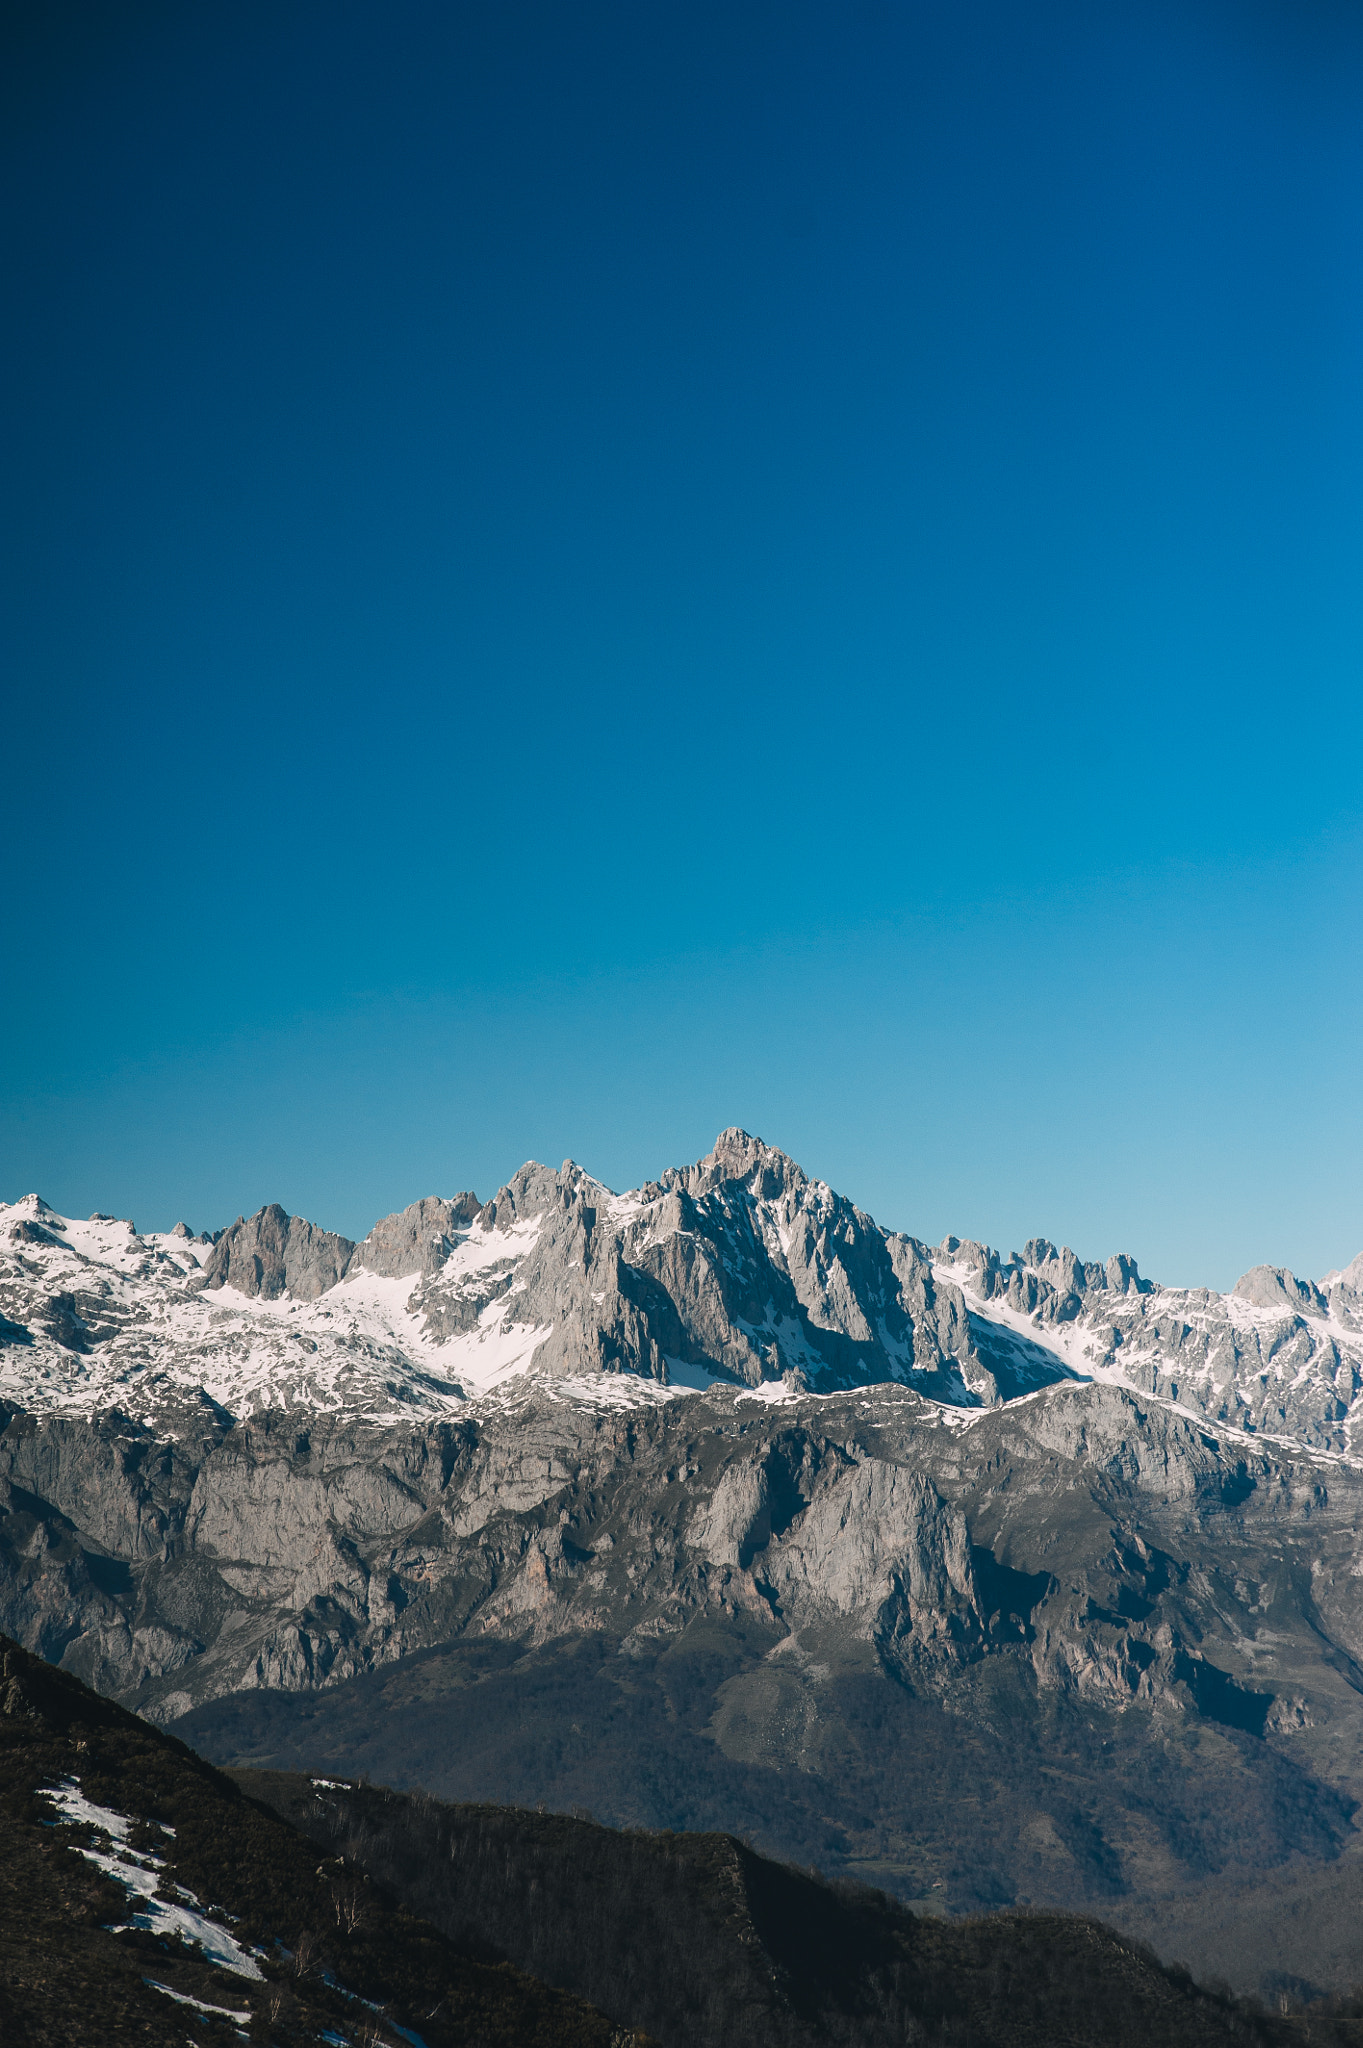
(576, 574)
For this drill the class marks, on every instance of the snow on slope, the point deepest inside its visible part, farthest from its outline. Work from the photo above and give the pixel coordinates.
(1288, 1373)
(740, 1269)
(100, 1316)
(140, 1874)
(109, 1322)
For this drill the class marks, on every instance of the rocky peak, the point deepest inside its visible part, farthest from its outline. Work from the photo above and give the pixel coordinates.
(273, 1253)
(1275, 1287)
(537, 1190)
(1064, 1269)
(1123, 1276)
(417, 1239)
(1352, 1276)
(737, 1158)
(33, 1222)
(1039, 1277)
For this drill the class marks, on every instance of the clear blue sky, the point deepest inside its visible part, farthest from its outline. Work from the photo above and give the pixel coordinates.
(575, 574)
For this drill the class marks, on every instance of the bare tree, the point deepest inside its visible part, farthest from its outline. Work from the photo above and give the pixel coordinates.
(350, 1902)
(307, 1954)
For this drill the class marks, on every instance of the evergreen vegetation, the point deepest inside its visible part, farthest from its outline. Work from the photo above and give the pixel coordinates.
(387, 1917)
(340, 1957)
(707, 1944)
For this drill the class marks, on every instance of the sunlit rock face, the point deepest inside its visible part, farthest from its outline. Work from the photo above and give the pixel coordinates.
(739, 1269)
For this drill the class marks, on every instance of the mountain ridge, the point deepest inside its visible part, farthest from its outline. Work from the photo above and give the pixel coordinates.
(740, 1268)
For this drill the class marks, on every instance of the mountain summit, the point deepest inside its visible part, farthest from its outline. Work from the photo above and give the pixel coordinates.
(739, 1270)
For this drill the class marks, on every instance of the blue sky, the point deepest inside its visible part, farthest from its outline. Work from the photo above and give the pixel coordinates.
(576, 575)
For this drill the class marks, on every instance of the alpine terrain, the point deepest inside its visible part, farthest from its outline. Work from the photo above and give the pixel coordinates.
(991, 1580)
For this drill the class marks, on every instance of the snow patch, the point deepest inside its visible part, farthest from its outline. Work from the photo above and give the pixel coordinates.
(224, 2012)
(692, 1379)
(140, 1877)
(773, 1393)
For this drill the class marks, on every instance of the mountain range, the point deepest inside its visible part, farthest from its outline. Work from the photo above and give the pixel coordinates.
(740, 1270)
(993, 1580)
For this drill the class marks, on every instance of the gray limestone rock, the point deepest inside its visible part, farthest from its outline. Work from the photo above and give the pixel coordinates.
(1123, 1277)
(417, 1239)
(273, 1253)
(26, 1232)
(1275, 1287)
(1097, 1547)
(1352, 1276)
(739, 1264)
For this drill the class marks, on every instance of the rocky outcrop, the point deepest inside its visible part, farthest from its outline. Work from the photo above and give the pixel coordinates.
(273, 1253)
(418, 1239)
(1275, 1287)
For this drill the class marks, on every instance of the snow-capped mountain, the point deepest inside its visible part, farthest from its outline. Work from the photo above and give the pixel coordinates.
(739, 1269)
(714, 1503)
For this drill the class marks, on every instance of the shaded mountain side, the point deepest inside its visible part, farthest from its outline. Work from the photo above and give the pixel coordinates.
(994, 1797)
(708, 1943)
(1297, 1931)
(305, 1944)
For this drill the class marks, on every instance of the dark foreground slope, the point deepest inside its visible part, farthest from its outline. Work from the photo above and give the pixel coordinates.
(359, 1915)
(338, 1957)
(708, 1945)
(1183, 1831)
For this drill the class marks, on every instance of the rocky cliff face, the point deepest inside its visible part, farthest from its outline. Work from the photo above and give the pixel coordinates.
(275, 1254)
(264, 1556)
(1078, 1561)
(725, 1410)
